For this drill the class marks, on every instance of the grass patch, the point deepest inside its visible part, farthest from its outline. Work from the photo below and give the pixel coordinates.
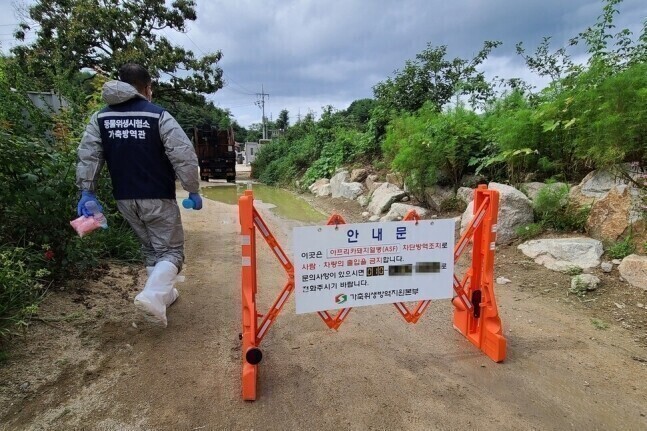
(530, 231)
(599, 324)
(574, 270)
(621, 249)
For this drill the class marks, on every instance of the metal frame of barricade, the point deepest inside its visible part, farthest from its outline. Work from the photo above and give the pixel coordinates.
(475, 311)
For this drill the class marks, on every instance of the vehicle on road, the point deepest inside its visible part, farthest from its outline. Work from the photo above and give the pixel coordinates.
(216, 153)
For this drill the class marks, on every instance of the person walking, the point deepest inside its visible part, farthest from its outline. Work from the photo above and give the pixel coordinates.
(145, 149)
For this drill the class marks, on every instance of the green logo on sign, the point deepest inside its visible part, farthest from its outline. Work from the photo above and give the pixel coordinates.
(340, 299)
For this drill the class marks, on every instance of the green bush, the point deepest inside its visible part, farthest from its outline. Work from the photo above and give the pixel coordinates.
(553, 209)
(38, 199)
(314, 150)
(23, 276)
(621, 249)
(433, 148)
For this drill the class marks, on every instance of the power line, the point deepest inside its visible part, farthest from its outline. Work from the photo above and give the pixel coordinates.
(246, 91)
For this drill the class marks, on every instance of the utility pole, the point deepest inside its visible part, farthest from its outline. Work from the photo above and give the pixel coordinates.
(299, 116)
(261, 104)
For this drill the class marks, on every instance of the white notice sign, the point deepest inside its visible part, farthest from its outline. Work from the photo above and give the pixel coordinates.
(372, 263)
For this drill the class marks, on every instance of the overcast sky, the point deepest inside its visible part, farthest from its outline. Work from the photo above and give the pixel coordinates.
(310, 53)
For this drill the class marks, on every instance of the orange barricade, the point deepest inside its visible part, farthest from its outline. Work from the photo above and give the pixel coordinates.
(475, 311)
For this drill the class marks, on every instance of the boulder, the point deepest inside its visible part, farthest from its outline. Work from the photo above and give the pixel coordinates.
(363, 200)
(598, 183)
(358, 175)
(398, 211)
(515, 210)
(395, 179)
(465, 194)
(457, 228)
(467, 216)
(383, 197)
(374, 218)
(324, 190)
(366, 214)
(341, 188)
(336, 181)
(593, 187)
(634, 269)
(532, 189)
(371, 183)
(436, 195)
(314, 187)
(612, 215)
(564, 254)
(350, 191)
(472, 181)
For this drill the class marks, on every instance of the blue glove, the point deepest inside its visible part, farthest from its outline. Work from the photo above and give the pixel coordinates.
(197, 200)
(86, 197)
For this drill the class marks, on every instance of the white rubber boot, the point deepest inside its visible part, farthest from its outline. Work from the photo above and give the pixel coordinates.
(175, 294)
(158, 292)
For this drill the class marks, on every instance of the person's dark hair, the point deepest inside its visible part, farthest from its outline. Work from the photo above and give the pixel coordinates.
(135, 75)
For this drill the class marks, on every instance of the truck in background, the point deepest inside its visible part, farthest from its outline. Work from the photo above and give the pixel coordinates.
(216, 153)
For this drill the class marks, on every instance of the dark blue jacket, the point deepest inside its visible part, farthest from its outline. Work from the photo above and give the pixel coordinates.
(134, 151)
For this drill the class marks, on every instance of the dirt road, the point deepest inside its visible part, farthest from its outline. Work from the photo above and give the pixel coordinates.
(91, 363)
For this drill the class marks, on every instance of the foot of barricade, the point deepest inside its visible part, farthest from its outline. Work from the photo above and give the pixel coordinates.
(485, 331)
(249, 381)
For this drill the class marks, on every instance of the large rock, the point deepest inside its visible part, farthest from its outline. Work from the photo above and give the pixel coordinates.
(467, 216)
(358, 175)
(317, 185)
(564, 254)
(436, 195)
(341, 188)
(457, 228)
(532, 189)
(383, 197)
(350, 191)
(598, 183)
(363, 200)
(324, 190)
(612, 215)
(398, 211)
(593, 187)
(395, 179)
(371, 183)
(472, 181)
(515, 210)
(336, 181)
(634, 269)
(465, 194)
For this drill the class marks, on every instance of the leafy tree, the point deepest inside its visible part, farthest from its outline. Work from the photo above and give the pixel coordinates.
(554, 65)
(194, 110)
(359, 111)
(432, 147)
(104, 34)
(254, 132)
(283, 121)
(433, 78)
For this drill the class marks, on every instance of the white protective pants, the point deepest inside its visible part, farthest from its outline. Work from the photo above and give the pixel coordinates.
(159, 291)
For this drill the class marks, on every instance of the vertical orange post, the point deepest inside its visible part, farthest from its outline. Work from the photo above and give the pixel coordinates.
(249, 314)
(481, 325)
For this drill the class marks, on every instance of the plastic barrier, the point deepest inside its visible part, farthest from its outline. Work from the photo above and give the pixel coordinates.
(475, 311)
